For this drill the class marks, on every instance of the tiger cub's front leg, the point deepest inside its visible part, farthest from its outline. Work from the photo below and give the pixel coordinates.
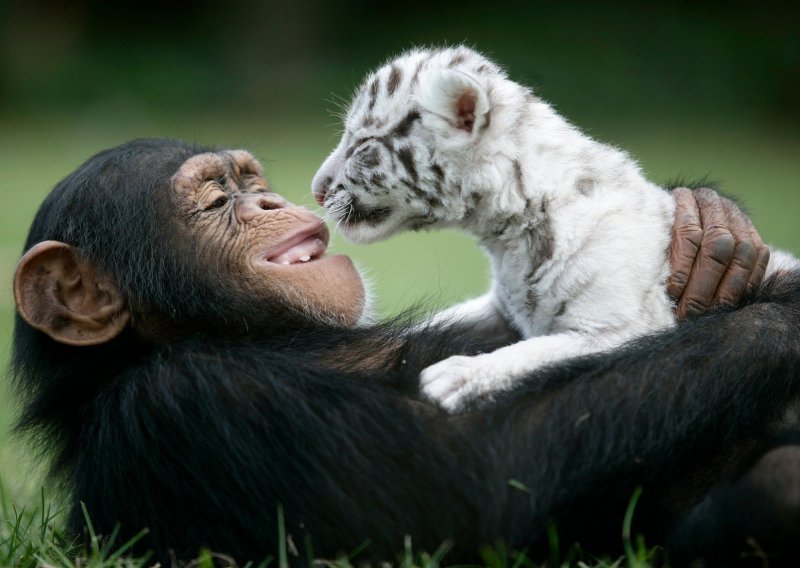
(456, 379)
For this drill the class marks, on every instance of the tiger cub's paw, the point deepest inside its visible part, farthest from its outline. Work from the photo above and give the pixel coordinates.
(455, 380)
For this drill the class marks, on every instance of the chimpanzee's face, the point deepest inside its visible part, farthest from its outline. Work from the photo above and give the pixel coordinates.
(274, 249)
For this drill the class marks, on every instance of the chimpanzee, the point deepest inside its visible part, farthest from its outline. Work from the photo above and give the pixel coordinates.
(193, 363)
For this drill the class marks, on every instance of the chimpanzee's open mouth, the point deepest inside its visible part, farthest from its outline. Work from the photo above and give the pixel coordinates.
(305, 245)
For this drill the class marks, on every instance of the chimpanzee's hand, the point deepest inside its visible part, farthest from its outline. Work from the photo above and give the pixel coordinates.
(716, 254)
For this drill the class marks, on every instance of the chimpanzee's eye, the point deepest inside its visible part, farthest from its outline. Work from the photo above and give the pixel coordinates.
(218, 202)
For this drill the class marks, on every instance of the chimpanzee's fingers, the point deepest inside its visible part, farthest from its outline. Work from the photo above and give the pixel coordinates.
(749, 250)
(713, 259)
(762, 250)
(687, 233)
(735, 280)
(761, 267)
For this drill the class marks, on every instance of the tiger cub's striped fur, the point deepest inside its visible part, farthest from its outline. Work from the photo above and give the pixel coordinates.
(577, 237)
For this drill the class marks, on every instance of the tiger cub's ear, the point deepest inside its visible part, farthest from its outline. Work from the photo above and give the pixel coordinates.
(455, 104)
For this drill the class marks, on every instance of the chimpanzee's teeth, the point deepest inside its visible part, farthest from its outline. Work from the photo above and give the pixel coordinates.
(308, 249)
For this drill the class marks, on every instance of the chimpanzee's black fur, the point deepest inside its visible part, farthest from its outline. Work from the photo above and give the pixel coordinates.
(201, 440)
(758, 505)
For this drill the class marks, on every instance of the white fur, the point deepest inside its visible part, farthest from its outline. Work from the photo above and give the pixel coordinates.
(581, 263)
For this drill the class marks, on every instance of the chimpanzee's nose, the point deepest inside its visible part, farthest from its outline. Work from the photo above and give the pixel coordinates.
(251, 205)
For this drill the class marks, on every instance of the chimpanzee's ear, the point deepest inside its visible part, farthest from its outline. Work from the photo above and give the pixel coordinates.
(62, 295)
(457, 105)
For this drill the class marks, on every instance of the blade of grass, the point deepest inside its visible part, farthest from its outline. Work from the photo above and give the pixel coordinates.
(626, 528)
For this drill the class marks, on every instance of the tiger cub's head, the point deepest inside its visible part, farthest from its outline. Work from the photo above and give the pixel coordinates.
(410, 138)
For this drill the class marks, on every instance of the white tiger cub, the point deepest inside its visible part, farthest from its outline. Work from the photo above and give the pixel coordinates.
(577, 237)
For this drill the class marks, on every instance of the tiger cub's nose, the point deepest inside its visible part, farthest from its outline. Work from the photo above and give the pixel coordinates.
(320, 189)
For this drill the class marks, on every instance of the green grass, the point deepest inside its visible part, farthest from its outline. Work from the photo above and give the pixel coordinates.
(30, 537)
(754, 158)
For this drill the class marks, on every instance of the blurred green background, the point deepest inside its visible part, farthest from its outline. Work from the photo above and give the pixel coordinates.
(691, 89)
